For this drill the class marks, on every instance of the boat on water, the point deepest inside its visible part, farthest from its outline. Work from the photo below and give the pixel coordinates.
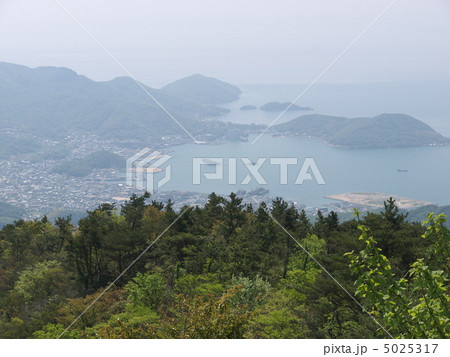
(402, 170)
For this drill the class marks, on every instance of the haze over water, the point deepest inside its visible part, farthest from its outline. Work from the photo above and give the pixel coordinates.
(426, 101)
(344, 170)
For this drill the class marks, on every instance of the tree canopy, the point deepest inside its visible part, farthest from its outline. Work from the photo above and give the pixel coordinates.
(256, 271)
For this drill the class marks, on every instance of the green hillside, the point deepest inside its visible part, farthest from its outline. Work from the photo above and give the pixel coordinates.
(201, 89)
(9, 213)
(11, 146)
(382, 131)
(56, 101)
(84, 166)
(420, 214)
(316, 125)
(75, 216)
(225, 270)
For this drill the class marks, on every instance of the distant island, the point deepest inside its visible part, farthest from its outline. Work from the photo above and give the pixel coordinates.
(278, 107)
(382, 131)
(248, 107)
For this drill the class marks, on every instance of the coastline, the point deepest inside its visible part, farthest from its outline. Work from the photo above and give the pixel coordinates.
(377, 199)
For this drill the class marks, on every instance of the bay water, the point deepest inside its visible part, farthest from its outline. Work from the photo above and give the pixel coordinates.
(425, 171)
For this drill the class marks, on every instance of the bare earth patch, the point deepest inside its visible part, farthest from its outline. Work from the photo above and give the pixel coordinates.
(376, 200)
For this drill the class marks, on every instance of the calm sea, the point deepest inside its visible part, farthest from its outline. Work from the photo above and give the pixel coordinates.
(344, 170)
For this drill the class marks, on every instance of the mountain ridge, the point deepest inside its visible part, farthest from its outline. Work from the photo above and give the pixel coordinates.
(57, 100)
(202, 89)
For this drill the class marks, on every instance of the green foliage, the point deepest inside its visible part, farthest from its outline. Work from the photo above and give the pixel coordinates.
(391, 213)
(134, 322)
(40, 281)
(52, 331)
(147, 290)
(136, 315)
(121, 330)
(279, 317)
(415, 306)
(420, 214)
(192, 317)
(188, 318)
(86, 248)
(74, 215)
(439, 251)
(252, 292)
(399, 241)
(133, 210)
(112, 302)
(52, 274)
(195, 285)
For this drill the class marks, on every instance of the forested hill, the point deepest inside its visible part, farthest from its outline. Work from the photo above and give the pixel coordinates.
(11, 146)
(9, 213)
(420, 214)
(225, 270)
(56, 101)
(382, 131)
(84, 166)
(201, 89)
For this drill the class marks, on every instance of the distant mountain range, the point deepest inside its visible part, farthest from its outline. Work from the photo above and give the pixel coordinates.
(382, 131)
(57, 101)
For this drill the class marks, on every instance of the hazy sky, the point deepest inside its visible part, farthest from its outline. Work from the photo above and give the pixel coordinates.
(241, 41)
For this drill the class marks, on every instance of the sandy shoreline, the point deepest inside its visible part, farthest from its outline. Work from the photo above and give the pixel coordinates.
(376, 200)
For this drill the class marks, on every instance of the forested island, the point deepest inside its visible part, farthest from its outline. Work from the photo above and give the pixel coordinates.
(382, 131)
(241, 266)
